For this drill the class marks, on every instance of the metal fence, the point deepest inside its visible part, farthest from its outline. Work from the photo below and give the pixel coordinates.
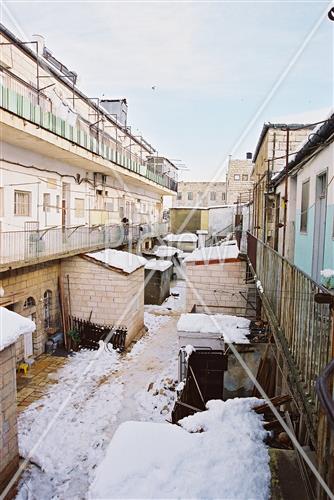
(38, 244)
(307, 325)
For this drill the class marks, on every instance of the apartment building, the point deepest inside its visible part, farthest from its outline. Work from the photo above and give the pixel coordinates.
(74, 178)
(239, 185)
(200, 194)
(269, 159)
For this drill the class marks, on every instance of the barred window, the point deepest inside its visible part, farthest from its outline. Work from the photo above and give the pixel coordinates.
(22, 203)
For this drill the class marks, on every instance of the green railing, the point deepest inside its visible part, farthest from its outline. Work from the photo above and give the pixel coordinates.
(98, 142)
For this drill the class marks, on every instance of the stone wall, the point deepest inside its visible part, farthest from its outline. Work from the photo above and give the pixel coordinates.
(218, 285)
(105, 295)
(9, 454)
(201, 194)
(242, 189)
(32, 282)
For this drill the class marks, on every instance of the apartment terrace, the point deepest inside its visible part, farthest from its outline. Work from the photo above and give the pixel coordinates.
(25, 248)
(44, 129)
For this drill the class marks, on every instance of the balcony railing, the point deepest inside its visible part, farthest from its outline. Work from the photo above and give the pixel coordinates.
(24, 101)
(18, 247)
(303, 311)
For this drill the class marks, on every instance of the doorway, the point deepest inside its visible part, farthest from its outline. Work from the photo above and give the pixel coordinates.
(320, 209)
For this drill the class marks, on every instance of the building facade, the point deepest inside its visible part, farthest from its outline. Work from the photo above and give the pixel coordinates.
(269, 159)
(200, 194)
(239, 185)
(74, 179)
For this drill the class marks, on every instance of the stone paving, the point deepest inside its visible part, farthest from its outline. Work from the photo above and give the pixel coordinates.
(33, 386)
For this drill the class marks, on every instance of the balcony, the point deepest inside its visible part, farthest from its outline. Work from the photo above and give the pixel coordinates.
(25, 102)
(23, 248)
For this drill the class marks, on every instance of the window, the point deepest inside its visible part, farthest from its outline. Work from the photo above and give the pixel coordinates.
(57, 203)
(22, 203)
(223, 196)
(79, 207)
(29, 302)
(237, 177)
(245, 177)
(47, 308)
(213, 196)
(46, 202)
(179, 196)
(304, 206)
(1, 202)
(190, 195)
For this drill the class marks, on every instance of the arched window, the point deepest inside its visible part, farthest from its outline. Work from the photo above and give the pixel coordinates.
(47, 308)
(29, 302)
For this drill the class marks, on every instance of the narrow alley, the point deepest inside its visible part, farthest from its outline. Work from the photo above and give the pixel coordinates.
(98, 390)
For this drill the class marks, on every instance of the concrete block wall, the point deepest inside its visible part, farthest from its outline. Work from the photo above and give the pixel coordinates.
(9, 453)
(217, 285)
(32, 281)
(107, 296)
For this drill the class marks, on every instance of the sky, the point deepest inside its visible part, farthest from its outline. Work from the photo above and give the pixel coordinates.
(220, 68)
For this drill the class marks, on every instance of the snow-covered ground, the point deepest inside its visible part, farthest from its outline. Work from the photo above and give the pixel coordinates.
(218, 453)
(66, 433)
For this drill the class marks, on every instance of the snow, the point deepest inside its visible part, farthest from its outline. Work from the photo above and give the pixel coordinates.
(158, 265)
(166, 251)
(327, 273)
(222, 252)
(226, 460)
(189, 349)
(259, 286)
(99, 390)
(126, 261)
(12, 325)
(183, 237)
(74, 443)
(232, 328)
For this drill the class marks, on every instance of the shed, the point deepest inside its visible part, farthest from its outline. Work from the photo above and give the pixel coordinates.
(12, 325)
(107, 288)
(158, 274)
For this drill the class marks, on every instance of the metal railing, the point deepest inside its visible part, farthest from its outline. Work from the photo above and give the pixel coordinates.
(306, 323)
(325, 392)
(23, 100)
(29, 246)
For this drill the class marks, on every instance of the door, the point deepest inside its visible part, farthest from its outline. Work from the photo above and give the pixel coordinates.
(28, 343)
(319, 226)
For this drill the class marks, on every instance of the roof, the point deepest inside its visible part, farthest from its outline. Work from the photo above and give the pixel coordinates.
(183, 237)
(266, 127)
(158, 265)
(316, 139)
(230, 328)
(12, 325)
(124, 261)
(215, 254)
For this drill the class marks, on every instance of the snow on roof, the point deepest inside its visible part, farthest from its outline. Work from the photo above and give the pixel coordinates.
(165, 251)
(183, 237)
(12, 325)
(158, 265)
(232, 328)
(126, 261)
(159, 460)
(228, 250)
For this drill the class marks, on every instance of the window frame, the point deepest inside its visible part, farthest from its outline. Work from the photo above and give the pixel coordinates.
(303, 227)
(17, 203)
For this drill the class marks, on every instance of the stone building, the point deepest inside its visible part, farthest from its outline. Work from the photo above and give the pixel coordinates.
(239, 185)
(70, 173)
(200, 194)
(269, 159)
(107, 288)
(12, 326)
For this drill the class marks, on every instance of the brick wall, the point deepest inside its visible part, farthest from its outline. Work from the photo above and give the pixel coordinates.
(110, 297)
(33, 282)
(217, 285)
(9, 454)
